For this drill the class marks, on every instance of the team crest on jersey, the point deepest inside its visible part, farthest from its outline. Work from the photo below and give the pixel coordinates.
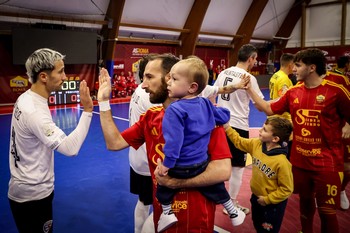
(320, 98)
(48, 130)
(47, 226)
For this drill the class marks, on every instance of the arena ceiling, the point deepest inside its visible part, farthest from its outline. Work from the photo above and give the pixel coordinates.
(189, 23)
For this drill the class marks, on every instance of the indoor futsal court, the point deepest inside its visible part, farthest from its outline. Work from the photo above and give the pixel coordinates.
(92, 189)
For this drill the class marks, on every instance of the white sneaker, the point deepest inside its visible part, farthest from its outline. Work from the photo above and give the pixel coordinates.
(237, 218)
(166, 221)
(242, 208)
(344, 201)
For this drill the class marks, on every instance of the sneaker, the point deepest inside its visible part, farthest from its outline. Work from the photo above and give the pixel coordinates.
(237, 218)
(244, 209)
(344, 201)
(166, 221)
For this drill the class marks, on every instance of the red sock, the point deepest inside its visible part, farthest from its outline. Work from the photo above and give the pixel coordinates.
(329, 221)
(307, 212)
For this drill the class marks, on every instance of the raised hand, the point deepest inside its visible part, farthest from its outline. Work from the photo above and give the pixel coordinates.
(346, 131)
(85, 98)
(244, 82)
(104, 90)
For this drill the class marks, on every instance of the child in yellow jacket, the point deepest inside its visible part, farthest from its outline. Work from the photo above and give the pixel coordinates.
(272, 179)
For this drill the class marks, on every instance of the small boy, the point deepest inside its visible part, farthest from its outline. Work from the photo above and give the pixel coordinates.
(272, 179)
(187, 126)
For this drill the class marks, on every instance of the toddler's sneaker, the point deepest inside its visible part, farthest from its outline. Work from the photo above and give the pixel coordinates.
(237, 218)
(344, 201)
(244, 209)
(166, 221)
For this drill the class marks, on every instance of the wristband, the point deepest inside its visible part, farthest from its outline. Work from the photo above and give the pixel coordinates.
(104, 106)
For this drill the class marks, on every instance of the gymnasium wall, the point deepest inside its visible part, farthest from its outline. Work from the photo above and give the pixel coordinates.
(13, 79)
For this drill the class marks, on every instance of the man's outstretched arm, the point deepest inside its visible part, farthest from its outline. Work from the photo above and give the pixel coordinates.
(233, 87)
(259, 103)
(113, 138)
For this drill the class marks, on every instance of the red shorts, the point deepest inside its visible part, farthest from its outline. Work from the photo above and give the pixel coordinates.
(194, 212)
(324, 186)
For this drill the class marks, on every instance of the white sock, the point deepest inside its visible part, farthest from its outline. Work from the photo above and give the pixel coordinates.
(166, 208)
(140, 215)
(229, 206)
(235, 182)
(148, 226)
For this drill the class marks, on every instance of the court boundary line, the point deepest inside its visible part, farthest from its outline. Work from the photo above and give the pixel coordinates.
(220, 230)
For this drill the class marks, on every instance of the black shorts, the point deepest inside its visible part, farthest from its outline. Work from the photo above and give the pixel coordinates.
(141, 186)
(239, 157)
(33, 216)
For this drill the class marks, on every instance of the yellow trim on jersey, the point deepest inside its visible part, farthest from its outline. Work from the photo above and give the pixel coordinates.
(298, 84)
(346, 92)
(336, 74)
(154, 109)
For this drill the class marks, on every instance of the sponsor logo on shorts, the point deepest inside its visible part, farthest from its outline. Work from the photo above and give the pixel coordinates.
(177, 206)
(330, 201)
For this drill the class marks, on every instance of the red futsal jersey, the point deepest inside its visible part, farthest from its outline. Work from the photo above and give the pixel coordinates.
(318, 116)
(338, 78)
(194, 212)
(343, 80)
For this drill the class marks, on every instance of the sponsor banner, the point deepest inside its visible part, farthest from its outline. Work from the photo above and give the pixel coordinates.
(12, 86)
(139, 52)
(119, 66)
(130, 54)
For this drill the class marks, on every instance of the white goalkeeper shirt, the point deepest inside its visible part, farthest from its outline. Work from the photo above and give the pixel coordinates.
(34, 137)
(238, 101)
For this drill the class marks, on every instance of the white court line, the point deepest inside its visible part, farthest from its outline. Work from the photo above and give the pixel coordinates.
(220, 230)
(118, 118)
(98, 113)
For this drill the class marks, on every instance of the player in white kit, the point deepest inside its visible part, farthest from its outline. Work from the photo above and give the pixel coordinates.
(238, 104)
(34, 137)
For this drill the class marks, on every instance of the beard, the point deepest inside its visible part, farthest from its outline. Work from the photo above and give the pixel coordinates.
(160, 95)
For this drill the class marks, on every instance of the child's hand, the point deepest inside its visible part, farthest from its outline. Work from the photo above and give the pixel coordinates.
(243, 84)
(261, 201)
(226, 126)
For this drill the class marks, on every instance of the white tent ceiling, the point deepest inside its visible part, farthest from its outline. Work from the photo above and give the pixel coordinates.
(164, 19)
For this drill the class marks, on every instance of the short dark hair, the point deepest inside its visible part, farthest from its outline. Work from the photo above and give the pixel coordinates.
(143, 62)
(246, 51)
(286, 58)
(168, 60)
(312, 56)
(342, 61)
(281, 127)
